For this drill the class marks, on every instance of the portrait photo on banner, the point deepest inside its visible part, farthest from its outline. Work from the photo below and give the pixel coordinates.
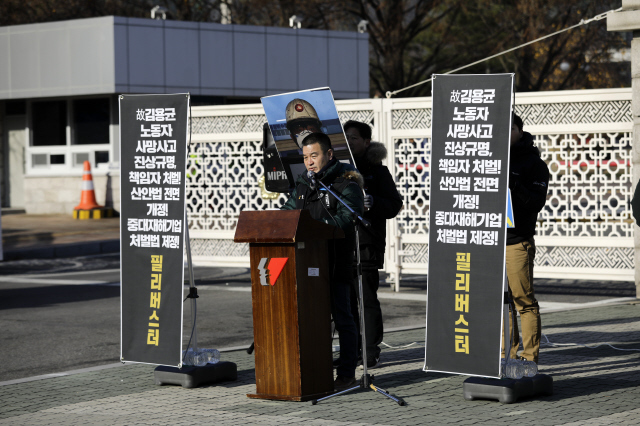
(293, 116)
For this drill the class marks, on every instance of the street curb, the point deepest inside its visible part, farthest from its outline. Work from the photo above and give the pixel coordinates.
(64, 250)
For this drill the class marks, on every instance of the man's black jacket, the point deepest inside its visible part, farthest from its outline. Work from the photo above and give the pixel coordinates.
(345, 181)
(529, 182)
(387, 202)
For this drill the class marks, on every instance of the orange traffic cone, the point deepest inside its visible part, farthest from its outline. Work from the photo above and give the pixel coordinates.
(88, 207)
(88, 196)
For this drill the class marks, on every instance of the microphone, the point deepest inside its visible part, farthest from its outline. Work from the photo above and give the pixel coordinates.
(312, 179)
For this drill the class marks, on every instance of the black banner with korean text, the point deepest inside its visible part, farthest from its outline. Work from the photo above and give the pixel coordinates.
(469, 170)
(153, 149)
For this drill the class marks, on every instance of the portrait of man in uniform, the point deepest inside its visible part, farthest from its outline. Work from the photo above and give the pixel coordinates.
(302, 120)
(294, 116)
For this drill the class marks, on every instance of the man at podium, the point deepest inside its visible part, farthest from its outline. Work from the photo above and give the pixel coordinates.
(345, 181)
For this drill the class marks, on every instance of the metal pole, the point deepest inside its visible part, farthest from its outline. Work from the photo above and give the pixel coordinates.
(363, 338)
(366, 380)
(398, 265)
(191, 283)
(506, 317)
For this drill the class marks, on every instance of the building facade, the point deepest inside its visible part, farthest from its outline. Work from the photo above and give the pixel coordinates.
(60, 81)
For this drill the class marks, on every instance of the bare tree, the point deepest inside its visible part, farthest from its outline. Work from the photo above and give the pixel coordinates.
(408, 39)
(16, 12)
(191, 10)
(315, 14)
(577, 59)
(412, 39)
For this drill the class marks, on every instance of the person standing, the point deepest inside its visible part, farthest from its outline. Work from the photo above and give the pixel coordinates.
(346, 182)
(382, 201)
(635, 204)
(528, 181)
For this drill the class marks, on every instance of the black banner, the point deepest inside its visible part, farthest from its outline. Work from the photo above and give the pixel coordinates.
(153, 148)
(469, 169)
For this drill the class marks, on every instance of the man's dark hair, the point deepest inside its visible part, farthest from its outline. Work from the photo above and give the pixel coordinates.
(363, 128)
(321, 138)
(517, 121)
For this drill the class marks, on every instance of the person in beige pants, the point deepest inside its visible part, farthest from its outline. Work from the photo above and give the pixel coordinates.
(528, 182)
(520, 275)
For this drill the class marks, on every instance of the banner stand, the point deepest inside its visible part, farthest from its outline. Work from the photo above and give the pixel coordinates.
(193, 291)
(469, 204)
(506, 390)
(194, 376)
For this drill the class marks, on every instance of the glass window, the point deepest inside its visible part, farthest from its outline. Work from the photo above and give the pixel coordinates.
(15, 108)
(56, 159)
(91, 121)
(79, 158)
(40, 160)
(102, 157)
(49, 123)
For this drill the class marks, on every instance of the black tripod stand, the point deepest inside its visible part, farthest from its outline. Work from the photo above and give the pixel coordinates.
(366, 381)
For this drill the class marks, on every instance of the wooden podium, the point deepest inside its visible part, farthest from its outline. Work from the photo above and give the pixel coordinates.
(291, 311)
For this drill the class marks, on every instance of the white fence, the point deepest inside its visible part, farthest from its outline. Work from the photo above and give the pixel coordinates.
(585, 231)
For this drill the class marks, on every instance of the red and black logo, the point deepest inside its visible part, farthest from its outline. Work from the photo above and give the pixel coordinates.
(270, 269)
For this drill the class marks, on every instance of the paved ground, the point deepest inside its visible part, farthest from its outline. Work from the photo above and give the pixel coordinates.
(23, 230)
(591, 387)
(52, 236)
(62, 314)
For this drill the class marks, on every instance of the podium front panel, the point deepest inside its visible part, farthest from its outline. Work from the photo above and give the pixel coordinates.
(275, 319)
(314, 318)
(291, 320)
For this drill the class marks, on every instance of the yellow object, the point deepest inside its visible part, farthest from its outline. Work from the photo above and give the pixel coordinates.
(93, 213)
(267, 195)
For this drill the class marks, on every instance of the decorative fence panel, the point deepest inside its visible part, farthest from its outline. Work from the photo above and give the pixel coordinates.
(585, 230)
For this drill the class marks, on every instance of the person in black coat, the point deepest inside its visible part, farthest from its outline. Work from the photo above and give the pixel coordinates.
(345, 181)
(635, 204)
(382, 201)
(528, 182)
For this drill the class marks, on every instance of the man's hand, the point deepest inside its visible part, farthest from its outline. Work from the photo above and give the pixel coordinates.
(368, 201)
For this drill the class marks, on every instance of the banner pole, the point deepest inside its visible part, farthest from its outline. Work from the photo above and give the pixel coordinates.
(193, 292)
(192, 285)
(505, 315)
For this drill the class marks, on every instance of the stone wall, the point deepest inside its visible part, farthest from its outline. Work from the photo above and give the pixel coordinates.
(51, 195)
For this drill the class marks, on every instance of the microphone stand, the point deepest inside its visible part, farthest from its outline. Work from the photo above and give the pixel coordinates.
(366, 381)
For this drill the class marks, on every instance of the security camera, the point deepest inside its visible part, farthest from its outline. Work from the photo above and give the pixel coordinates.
(295, 22)
(159, 10)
